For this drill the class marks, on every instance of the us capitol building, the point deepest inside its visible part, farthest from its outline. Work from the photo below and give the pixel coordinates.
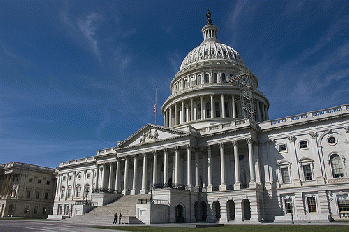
(218, 157)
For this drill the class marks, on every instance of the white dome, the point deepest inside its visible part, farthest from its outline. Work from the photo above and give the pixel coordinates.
(211, 50)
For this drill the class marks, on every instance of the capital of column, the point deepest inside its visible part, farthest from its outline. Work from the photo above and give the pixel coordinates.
(221, 145)
(235, 143)
(313, 135)
(250, 141)
(292, 138)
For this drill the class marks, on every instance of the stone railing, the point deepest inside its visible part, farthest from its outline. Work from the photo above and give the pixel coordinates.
(82, 160)
(28, 166)
(337, 180)
(229, 125)
(311, 114)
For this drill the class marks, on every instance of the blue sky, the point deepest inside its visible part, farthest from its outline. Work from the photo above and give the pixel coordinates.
(78, 76)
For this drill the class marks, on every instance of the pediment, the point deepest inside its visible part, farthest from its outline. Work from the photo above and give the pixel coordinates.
(150, 134)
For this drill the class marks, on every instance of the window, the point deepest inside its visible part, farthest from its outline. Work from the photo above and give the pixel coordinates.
(46, 195)
(311, 204)
(26, 209)
(69, 192)
(62, 191)
(28, 194)
(30, 180)
(223, 77)
(48, 182)
(215, 78)
(70, 177)
(60, 209)
(88, 175)
(208, 110)
(37, 195)
(331, 140)
(307, 172)
(199, 79)
(288, 206)
(226, 108)
(337, 166)
(343, 206)
(63, 177)
(282, 148)
(39, 181)
(78, 190)
(218, 109)
(206, 78)
(285, 175)
(35, 210)
(303, 144)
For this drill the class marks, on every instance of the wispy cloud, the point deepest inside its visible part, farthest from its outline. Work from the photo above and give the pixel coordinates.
(88, 30)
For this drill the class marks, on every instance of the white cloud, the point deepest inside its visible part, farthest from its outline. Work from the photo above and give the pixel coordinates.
(88, 29)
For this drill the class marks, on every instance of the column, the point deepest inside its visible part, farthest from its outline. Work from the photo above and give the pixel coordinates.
(170, 119)
(165, 168)
(176, 114)
(103, 176)
(233, 106)
(118, 175)
(212, 107)
(191, 109)
(134, 186)
(237, 184)
(97, 178)
(155, 169)
(223, 186)
(183, 113)
(176, 177)
(222, 105)
(252, 183)
(125, 191)
(202, 107)
(259, 115)
(197, 170)
(209, 169)
(111, 179)
(189, 185)
(257, 168)
(144, 175)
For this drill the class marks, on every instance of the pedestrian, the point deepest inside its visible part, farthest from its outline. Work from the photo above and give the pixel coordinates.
(120, 216)
(115, 218)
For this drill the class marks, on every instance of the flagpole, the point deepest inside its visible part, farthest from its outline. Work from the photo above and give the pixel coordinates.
(156, 98)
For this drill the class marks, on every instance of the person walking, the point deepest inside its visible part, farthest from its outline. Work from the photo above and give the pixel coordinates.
(120, 216)
(115, 218)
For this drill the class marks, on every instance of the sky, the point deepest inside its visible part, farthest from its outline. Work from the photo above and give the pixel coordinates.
(78, 76)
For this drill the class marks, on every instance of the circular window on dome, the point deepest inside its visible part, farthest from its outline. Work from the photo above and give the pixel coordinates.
(331, 140)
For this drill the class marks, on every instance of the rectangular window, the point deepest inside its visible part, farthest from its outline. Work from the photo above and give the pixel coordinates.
(46, 196)
(285, 175)
(37, 195)
(28, 193)
(218, 110)
(343, 206)
(311, 204)
(307, 172)
(303, 144)
(288, 206)
(282, 147)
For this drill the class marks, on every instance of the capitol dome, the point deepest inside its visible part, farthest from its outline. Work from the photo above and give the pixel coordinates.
(213, 86)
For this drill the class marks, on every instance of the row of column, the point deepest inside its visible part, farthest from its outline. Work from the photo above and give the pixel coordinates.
(176, 178)
(197, 111)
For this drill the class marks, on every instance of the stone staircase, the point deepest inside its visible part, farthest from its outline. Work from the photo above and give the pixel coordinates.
(104, 215)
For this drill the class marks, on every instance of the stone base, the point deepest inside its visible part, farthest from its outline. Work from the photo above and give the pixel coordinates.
(133, 192)
(196, 189)
(252, 185)
(143, 191)
(223, 187)
(209, 188)
(125, 192)
(237, 186)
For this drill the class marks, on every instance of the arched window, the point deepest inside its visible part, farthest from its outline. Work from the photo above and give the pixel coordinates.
(62, 191)
(215, 78)
(337, 166)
